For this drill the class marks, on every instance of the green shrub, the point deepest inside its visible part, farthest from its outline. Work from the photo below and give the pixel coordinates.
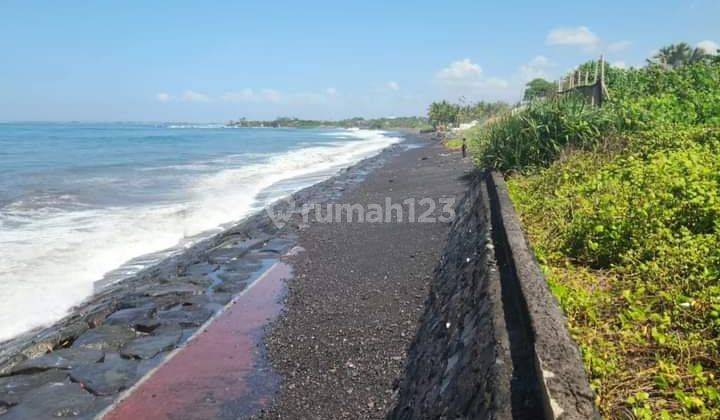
(632, 251)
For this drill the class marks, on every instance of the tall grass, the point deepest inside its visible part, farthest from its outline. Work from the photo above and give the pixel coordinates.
(537, 135)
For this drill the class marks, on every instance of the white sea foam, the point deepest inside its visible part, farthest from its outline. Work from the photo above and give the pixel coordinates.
(50, 258)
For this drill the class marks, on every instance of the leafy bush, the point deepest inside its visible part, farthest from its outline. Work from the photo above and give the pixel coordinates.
(632, 251)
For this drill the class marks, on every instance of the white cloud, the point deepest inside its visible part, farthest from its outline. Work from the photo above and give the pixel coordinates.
(619, 46)
(619, 64)
(460, 72)
(580, 36)
(192, 96)
(537, 67)
(464, 78)
(710, 47)
(163, 97)
(392, 85)
(331, 91)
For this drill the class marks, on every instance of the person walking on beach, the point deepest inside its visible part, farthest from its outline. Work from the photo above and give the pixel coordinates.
(464, 148)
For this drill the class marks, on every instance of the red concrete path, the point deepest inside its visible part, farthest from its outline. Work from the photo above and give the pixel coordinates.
(216, 375)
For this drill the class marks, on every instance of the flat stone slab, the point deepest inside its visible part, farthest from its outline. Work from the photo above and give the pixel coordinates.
(185, 317)
(140, 319)
(149, 346)
(60, 359)
(178, 288)
(113, 375)
(13, 388)
(52, 401)
(129, 316)
(105, 338)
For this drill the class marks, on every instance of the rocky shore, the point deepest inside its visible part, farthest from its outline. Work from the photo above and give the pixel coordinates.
(78, 366)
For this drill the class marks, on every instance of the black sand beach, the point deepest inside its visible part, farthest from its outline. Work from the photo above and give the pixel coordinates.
(358, 292)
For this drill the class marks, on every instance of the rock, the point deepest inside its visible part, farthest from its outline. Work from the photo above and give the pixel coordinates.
(149, 346)
(145, 366)
(37, 345)
(185, 317)
(140, 319)
(199, 269)
(220, 298)
(134, 300)
(174, 289)
(105, 338)
(201, 281)
(60, 359)
(54, 400)
(12, 388)
(96, 314)
(110, 377)
(130, 316)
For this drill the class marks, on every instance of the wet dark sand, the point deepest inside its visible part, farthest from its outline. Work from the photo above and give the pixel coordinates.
(358, 292)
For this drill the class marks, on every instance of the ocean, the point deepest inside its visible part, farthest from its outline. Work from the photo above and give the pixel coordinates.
(80, 203)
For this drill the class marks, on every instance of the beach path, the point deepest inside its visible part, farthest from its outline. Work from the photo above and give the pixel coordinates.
(358, 293)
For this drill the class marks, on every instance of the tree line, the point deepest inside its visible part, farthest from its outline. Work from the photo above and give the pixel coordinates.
(444, 114)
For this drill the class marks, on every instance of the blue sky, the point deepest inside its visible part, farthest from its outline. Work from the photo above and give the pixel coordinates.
(213, 61)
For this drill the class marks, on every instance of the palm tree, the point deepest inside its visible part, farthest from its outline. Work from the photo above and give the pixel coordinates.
(678, 55)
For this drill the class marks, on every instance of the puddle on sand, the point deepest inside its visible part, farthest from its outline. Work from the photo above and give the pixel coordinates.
(221, 373)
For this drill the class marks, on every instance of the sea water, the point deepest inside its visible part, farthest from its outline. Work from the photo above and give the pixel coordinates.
(80, 202)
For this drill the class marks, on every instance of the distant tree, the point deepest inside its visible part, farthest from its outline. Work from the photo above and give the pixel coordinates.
(678, 55)
(538, 88)
(443, 114)
(481, 111)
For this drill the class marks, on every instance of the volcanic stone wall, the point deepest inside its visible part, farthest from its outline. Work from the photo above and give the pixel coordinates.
(492, 343)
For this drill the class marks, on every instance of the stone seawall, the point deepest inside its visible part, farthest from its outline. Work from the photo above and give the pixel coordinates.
(492, 343)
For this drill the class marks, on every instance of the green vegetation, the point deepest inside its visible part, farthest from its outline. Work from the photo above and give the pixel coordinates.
(539, 88)
(454, 143)
(407, 123)
(622, 206)
(444, 114)
(678, 55)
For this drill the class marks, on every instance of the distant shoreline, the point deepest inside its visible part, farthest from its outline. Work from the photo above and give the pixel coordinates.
(418, 124)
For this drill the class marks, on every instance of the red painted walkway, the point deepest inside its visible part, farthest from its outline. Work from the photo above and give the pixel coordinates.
(216, 375)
